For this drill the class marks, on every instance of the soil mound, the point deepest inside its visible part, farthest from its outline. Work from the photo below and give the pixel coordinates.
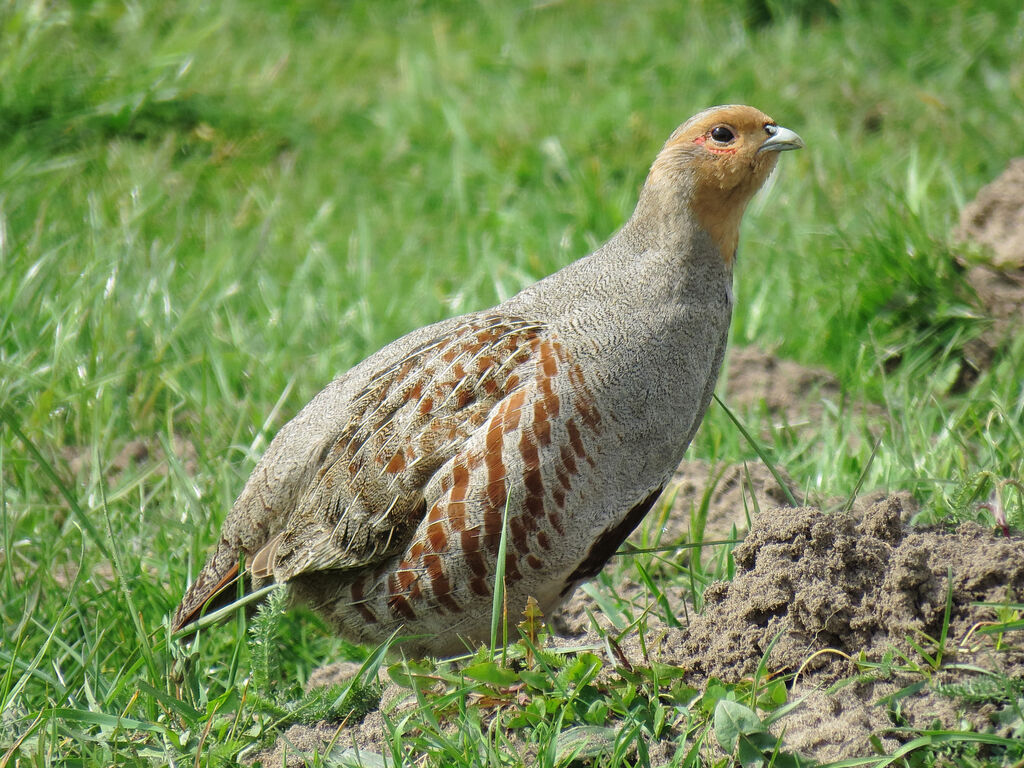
(836, 582)
(827, 588)
(994, 220)
(831, 587)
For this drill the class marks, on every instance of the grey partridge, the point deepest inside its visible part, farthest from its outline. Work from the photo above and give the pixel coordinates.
(381, 504)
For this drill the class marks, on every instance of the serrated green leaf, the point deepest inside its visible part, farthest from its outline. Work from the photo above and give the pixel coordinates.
(632, 676)
(582, 669)
(667, 672)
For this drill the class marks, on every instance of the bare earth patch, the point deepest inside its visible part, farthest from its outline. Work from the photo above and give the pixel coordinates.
(790, 392)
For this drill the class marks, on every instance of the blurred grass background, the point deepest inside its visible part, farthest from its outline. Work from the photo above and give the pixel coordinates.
(208, 210)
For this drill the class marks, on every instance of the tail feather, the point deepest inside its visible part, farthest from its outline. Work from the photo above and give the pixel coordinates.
(262, 566)
(208, 592)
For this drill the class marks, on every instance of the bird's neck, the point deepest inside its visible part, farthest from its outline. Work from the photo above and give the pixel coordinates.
(676, 217)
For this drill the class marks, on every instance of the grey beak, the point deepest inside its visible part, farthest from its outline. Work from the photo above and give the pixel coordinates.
(780, 139)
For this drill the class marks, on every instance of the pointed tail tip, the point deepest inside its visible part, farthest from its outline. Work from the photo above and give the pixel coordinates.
(206, 593)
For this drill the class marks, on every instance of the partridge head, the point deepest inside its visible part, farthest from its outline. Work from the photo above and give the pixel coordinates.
(556, 418)
(710, 168)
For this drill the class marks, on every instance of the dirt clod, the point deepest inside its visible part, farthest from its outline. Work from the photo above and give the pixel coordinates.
(831, 586)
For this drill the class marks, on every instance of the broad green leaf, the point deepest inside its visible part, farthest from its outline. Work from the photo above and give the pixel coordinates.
(491, 672)
(733, 720)
(408, 674)
(535, 679)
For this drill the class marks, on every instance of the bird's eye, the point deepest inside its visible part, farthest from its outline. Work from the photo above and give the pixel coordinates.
(722, 134)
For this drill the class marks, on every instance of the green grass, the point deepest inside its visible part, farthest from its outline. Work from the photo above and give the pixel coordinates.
(208, 210)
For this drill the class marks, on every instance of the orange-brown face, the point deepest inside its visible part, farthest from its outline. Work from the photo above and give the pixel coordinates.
(722, 156)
